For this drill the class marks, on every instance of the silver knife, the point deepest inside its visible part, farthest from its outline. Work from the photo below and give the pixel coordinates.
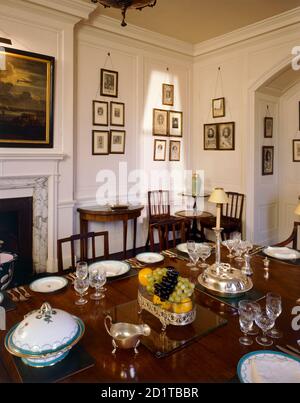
(286, 351)
(294, 349)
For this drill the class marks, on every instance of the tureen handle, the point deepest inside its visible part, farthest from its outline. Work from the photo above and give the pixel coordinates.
(46, 308)
(106, 320)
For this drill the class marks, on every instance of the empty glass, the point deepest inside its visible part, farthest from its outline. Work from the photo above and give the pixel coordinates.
(204, 252)
(194, 256)
(191, 248)
(81, 270)
(265, 323)
(97, 280)
(274, 310)
(230, 244)
(81, 286)
(256, 309)
(246, 318)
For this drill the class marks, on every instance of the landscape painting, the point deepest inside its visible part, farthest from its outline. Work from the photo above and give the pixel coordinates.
(26, 99)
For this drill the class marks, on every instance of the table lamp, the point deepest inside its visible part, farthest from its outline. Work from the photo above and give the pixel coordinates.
(218, 197)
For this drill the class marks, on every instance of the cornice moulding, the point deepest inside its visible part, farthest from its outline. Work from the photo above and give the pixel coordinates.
(143, 35)
(76, 8)
(266, 26)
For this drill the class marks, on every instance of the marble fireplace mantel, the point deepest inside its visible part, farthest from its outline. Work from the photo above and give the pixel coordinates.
(39, 187)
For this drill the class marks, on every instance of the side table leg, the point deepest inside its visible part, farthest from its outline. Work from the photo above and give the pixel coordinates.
(125, 225)
(134, 234)
(83, 246)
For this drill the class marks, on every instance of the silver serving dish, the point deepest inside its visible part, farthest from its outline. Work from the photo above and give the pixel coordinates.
(125, 335)
(225, 281)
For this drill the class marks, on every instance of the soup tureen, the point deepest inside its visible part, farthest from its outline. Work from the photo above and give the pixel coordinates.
(7, 263)
(45, 336)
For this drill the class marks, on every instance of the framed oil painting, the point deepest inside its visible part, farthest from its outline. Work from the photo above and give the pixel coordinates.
(267, 160)
(117, 141)
(175, 148)
(26, 99)
(101, 140)
(296, 150)
(100, 113)
(218, 108)
(117, 114)
(210, 137)
(109, 83)
(160, 147)
(160, 122)
(268, 130)
(175, 124)
(168, 95)
(226, 136)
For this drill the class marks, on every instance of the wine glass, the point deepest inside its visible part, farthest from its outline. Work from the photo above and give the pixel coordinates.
(246, 318)
(265, 323)
(81, 270)
(256, 309)
(191, 248)
(81, 286)
(204, 254)
(230, 244)
(194, 256)
(274, 310)
(97, 280)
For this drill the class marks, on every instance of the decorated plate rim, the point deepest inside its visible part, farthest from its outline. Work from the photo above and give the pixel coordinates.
(114, 261)
(63, 279)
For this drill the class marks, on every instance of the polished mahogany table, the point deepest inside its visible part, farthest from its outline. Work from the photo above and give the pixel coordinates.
(212, 358)
(104, 214)
(195, 216)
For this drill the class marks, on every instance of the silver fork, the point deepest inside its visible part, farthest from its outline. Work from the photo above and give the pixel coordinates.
(22, 298)
(27, 295)
(12, 295)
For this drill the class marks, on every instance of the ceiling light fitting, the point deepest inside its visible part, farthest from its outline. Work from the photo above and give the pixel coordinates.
(124, 5)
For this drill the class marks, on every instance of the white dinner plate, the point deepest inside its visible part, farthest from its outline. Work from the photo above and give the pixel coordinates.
(269, 367)
(113, 268)
(183, 246)
(150, 258)
(48, 284)
(282, 253)
(1, 298)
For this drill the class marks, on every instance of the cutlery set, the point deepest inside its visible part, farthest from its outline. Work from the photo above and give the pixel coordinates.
(173, 255)
(18, 294)
(290, 350)
(71, 277)
(135, 264)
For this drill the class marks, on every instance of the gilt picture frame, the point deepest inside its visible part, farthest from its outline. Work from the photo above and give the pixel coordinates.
(160, 122)
(218, 108)
(26, 99)
(160, 150)
(168, 94)
(175, 151)
(175, 124)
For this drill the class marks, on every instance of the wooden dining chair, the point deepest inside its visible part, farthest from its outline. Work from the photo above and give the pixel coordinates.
(164, 228)
(293, 239)
(84, 241)
(159, 210)
(231, 218)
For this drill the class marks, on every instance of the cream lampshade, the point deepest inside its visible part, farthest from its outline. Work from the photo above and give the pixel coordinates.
(219, 197)
(297, 211)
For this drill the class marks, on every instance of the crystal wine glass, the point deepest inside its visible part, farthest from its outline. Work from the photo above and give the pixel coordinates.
(191, 248)
(256, 309)
(204, 254)
(81, 286)
(230, 244)
(194, 256)
(274, 310)
(97, 280)
(81, 270)
(265, 323)
(246, 318)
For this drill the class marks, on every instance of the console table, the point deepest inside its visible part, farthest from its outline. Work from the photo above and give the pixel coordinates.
(105, 214)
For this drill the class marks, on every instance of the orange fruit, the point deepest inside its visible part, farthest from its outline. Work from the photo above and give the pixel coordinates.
(156, 300)
(143, 276)
(165, 305)
(183, 307)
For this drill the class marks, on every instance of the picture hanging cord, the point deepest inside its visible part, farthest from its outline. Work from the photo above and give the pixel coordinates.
(108, 58)
(268, 114)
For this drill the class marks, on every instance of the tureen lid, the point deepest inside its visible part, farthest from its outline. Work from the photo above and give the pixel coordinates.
(225, 280)
(45, 330)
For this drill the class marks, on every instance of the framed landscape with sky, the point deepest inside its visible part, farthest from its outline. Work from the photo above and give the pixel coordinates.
(26, 99)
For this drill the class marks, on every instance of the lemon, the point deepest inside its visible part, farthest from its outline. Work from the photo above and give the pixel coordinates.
(184, 307)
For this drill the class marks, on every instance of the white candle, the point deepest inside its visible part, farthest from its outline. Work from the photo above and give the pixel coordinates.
(219, 206)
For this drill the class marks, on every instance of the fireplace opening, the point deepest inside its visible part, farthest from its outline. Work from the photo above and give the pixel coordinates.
(16, 235)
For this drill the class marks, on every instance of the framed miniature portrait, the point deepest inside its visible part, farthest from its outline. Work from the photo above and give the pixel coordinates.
(168, 95)
(226, 134)
(100, 142)
(175, 149)
(160, 122)
(175, 124)
(160, 147)
(218, 107)
(100, 113)
(109, 83)
(117, 114)
(210, 137)
(117, 141)
(267, 160)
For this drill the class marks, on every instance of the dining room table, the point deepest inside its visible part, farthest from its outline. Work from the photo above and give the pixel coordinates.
(208, 359)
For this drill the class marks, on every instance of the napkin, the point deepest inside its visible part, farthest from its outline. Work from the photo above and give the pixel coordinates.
(283, 253)
(272, 369)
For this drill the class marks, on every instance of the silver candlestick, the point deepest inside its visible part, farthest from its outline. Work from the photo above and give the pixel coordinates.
(218, 232)
(247, 269)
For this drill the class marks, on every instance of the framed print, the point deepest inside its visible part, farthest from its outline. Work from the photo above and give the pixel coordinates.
(26, 99)
(160, 122)
(268, 128)
(296, 150)
(100, 142)
(109, 83)
(160, 147)
(175, 124)
(175, 148)
(218, 107)
(226, 134)
(210, 137)
(168, 95)
(117, 114)
(100, 113)
(267, 160)
(117, 141)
